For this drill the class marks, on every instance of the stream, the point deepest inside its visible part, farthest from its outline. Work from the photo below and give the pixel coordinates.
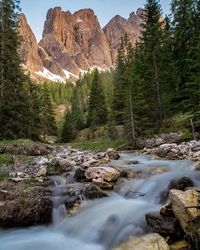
(104, 223)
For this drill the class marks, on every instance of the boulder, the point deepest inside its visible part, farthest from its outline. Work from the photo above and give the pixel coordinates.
(103, 184)
(93, 192)
(179, 184)
(79, 174)
(181, 205)
(147, 242)
(112, 154)
(66, 165)
(165, 225)
(106, 173)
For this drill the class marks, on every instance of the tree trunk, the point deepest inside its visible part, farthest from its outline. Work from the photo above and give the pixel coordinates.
(157, 91)
(133, 133)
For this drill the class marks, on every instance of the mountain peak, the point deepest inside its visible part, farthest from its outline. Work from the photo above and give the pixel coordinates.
(73, 43)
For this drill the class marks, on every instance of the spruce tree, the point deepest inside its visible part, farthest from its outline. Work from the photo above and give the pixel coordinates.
(73, 120)
(119, 83)
(47, 114)
(155, 65)
(183, 37)
(97, 112)
(14, 104)
(34, 93)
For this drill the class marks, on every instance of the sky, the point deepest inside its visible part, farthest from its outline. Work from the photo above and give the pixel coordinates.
(36, 10)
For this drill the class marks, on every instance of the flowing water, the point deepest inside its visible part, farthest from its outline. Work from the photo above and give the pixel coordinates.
(103, 223)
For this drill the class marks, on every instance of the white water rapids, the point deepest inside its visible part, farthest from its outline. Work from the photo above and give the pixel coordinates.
(103, 223)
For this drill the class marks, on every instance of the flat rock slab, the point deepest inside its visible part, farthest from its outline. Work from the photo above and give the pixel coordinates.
(147, 242)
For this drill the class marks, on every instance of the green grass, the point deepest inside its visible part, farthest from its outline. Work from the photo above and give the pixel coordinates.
(5, 159)
(14, 142)
(98, 145)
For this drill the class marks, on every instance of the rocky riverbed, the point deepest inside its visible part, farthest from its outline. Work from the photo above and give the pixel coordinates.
(103, 200)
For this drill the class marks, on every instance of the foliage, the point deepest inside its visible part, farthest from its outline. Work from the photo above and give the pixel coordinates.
(48, 122)
(14, 103)
(97, 110)
(5, 159)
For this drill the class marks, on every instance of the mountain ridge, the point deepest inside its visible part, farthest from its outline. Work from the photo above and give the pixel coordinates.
(75, 43)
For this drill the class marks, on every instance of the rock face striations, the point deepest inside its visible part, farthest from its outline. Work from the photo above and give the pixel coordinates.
(29, 48)
(72, 43)
(119, 26)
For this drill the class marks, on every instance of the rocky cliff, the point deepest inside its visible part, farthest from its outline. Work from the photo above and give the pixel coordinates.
(72, 43)
(29, 48)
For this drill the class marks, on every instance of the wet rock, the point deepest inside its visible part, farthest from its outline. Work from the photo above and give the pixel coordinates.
(156, 170)
(179, 184)
(167, 211)
(112, 154)
(134, 162)
(102, 183)
(80, 175)
(106, 173)
(179, 245)
(165, 225)
(181, 204)
(93, 192)
(147, 242)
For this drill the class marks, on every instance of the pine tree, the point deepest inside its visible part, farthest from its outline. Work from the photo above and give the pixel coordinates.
(134, 101)
(97, 112)
(47, 114)
(183, 35)
(14, 104)
(35, 120)
(154, 71)
(73, 121)
(119, 83)
(192, 86)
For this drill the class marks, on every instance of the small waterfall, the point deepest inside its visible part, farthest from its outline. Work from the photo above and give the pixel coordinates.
(59, 208)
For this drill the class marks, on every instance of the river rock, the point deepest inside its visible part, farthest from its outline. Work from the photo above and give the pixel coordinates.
(104, 160)
(181, 201)
(89, 163)
(179, 184)
(147, 242)
(106, 173)
(79, 174)
(112, 154)
(165, 225)
(65, 164)
(42, 171)
(102, 183)
(93, 192)
(179, 245)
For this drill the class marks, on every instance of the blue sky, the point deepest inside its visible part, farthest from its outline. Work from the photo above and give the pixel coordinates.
(36, 10)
